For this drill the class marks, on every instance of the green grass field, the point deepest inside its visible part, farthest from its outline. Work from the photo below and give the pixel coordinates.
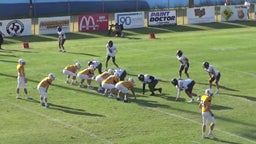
(81, 116)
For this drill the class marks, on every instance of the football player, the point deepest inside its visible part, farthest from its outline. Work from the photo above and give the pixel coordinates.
(214, 75)
(186, 85)
(184, 63)
(122, 73)
(99, 78)
(62, 38)
(205, 106)
(86, 74)
(71, 71)
(111, 53)
(21, 79)
(96, 64)
(42, 88)
(124, 87)
(151, 81)
(109, 84)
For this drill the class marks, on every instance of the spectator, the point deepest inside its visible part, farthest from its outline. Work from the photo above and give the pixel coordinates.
(227, 3)
(1, 40)
(247, 4)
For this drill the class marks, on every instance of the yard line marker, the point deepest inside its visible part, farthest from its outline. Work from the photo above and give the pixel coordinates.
(59, 122)
(196, 122)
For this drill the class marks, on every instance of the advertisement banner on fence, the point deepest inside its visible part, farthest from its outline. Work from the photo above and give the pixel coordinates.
(160, 18)
(93, 22)
(201, 15)
(15, 27)
(49, 25)
(234, 12)
(130, 19)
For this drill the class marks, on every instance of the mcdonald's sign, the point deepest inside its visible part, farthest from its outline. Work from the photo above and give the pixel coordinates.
(93, 22)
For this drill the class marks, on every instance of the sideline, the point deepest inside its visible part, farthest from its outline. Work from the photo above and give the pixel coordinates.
(59, 122)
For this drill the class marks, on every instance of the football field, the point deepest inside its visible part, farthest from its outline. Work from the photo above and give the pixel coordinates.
(82, 116)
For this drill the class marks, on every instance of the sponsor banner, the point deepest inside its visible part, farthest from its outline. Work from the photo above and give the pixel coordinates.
(233, 12)
(130, 19)
(201, 15)
(93, 22)
(16, 27)
(159, 18)
(49, 25)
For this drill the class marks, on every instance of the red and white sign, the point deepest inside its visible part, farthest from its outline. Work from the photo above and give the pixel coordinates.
(93, 22)
(16, 27)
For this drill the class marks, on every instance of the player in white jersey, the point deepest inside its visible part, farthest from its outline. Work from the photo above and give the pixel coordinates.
(122, 73)
(62, 38)
(184, 63)
(186, 85)
(214, 75)
(96, 64)
(151, 81)
(111, 53)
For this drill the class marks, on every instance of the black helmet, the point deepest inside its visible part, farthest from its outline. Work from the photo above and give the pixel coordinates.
(205, 64)
(174, 81)
(89, 63)
(110, 43)
(141, 77)
(179, 53)
(59, 28)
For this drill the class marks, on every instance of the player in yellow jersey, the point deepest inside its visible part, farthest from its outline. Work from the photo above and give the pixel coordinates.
(205, 106)
(109, 84)
(86, 74)
(99, 78)
(71, 70)
(124, 87)
(42, 88)
(21, 79)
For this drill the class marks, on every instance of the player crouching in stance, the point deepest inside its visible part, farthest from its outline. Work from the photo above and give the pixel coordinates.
(21, 79)
(71, 71)
(186, 85)
(124, 87)
(205, 106)
(96, 64)
(109, 84)
(42, 88)
(214, 75)
(151, 81)
(86, 74)
(99, 78)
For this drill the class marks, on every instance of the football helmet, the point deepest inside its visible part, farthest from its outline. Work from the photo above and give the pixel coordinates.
(92, 66)
(21, 61)
(131, 80)
(141, 77)
(89, 63)
(78, 65)
(179, 53)
(174, 81)
(59, 28)
(117, 74)
(206, 65)
(51, 76)
(110, 43)
(209, 92)
(111, 71)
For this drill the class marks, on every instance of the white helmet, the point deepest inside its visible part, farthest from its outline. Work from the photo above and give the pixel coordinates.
(111, 71)
(209, 92)
(131, 80)
(21, 61)
(51, 76)
(78, 65)
(117, 74)
(92, 66)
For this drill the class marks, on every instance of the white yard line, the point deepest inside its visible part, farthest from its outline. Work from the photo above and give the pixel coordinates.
(91, 134)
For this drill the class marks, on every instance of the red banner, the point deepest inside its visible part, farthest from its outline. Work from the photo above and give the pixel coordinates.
(92, 22)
